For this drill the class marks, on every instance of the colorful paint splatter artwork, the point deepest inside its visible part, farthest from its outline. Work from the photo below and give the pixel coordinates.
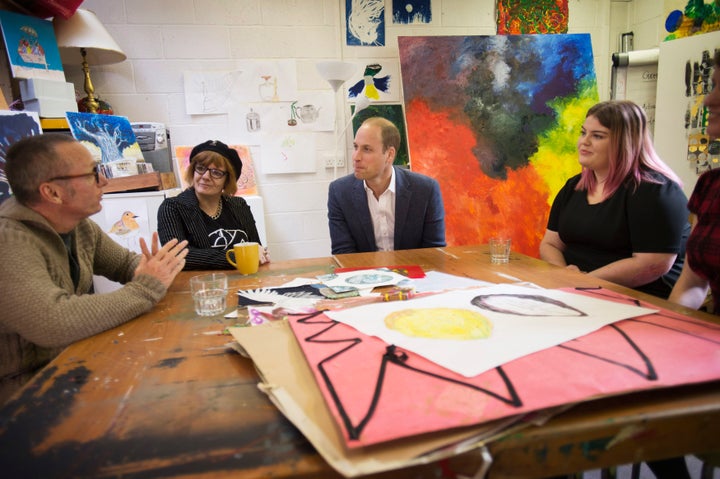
(495, 120)
(532, 16)
(696, 18)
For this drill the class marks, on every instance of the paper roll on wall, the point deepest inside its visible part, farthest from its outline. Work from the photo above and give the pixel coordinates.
(636, 57)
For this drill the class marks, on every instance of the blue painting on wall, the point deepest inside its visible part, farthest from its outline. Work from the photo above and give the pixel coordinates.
(14, 125)
(365, 22)
(411, 11)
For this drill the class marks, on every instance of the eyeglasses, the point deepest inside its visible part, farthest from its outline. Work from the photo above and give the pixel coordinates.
(95, 172)
(215, 173)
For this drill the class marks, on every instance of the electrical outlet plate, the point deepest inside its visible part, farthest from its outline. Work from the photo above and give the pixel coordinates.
(332, 161)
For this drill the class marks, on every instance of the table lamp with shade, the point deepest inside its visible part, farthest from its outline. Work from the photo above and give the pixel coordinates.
(83, 38)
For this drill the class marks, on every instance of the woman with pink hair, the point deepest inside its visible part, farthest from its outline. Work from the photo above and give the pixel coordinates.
(624, 217)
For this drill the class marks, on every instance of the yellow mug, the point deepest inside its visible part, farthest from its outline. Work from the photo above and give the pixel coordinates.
(246, 257)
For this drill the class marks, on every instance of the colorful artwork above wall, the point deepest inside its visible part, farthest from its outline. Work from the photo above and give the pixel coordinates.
(495, 120)
(532, 16)
(696, 17)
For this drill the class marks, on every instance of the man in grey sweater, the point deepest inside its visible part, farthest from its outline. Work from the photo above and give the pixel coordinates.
(50, 251)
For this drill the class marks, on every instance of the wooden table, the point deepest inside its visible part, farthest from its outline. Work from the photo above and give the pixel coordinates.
(163, 395)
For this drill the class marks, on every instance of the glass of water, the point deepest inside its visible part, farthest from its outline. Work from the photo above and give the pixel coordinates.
(209, 292)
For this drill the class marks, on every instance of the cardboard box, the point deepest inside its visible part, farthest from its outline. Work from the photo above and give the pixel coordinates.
(36, 88)
(49, 98)
(50, 107)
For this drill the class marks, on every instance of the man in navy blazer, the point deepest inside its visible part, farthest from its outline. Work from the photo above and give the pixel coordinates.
(380, 207)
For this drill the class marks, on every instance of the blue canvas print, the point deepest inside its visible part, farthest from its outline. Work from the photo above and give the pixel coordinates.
(31, 47)
(14, 125)
(411, 11)
(110, 139)
(365, 22)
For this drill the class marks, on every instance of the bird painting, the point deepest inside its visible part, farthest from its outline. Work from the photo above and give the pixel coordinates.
(126, 225)
(370, 84)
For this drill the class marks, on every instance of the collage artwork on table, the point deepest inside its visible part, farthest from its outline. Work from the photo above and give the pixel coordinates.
(394, 370)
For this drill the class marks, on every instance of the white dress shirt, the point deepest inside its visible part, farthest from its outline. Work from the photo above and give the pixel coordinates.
(382, 212)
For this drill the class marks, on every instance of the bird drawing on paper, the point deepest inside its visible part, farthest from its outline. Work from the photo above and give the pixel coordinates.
(125, 225)
(372, 85)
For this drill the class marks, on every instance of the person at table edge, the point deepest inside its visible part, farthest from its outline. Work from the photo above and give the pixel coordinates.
(50, 252)
(624, 217)
(702, 266)
(381, 207)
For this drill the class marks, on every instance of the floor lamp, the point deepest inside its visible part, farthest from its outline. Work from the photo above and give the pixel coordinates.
(336, 73)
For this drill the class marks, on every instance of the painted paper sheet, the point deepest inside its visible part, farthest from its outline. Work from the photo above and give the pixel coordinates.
(472, 331)
(685, 78)
(395, 114)
(31, 46)
(220, 91)
(532, 16)
(14, 125)
(377, 80)
(288, 153)
(379, 392)
(365, 22)
(495, 119)
(409, 12)
(127, 221)
(110, 139)
(685, 18)
(246, 183)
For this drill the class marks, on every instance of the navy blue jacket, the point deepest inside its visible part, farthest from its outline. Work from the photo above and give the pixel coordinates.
(419, 214)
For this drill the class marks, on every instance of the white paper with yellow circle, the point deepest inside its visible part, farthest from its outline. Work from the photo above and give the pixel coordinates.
(521, 321)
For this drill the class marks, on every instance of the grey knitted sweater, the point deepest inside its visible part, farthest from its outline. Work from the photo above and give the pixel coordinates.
(41, 311)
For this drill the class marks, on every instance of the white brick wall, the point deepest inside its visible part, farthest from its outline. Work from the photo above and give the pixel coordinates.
(163, 38)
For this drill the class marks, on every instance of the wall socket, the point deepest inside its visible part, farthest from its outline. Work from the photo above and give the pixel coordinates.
(334, 160)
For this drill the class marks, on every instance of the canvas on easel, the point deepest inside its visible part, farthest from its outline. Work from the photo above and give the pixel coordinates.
(31, 47)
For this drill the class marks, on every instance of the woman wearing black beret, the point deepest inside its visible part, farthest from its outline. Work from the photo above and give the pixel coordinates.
(207, 214)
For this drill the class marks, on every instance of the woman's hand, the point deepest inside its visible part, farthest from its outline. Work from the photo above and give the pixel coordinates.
(264, 256)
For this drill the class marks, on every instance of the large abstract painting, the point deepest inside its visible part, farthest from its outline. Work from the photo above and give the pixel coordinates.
(495, 120)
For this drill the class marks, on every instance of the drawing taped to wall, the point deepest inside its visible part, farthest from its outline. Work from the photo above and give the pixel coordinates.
(371, 85)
